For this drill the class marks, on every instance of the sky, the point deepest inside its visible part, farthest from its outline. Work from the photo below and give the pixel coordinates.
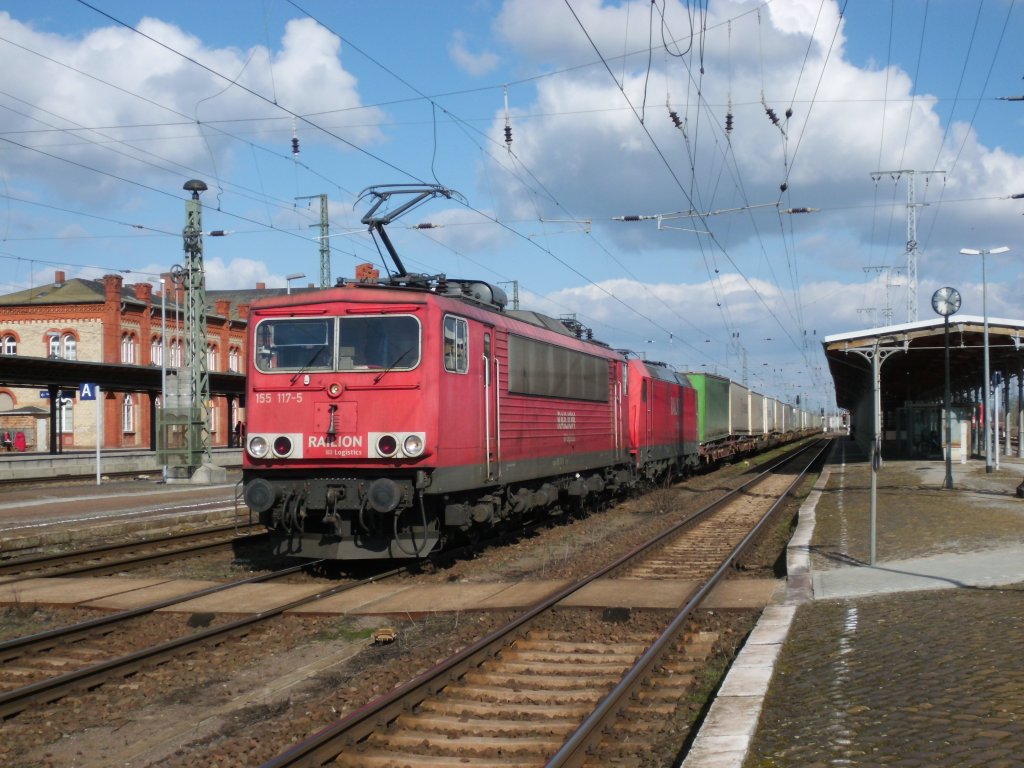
(717, 185)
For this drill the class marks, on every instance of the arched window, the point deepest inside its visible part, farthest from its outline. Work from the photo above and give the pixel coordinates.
(128, 347)
(70, 346)
(54, 347)
(8, 344)
(156, 351)
(174, 353)
(234, 359)
(128, 413)
(211, 357)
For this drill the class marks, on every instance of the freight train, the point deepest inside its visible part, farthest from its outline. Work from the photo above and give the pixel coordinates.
(389, 417)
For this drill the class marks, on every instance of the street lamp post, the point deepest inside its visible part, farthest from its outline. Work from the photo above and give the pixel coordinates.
(293, 276)
(983, 252)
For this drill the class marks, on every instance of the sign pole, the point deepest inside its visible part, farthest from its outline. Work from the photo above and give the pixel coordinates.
(99, 434)
(91, 391)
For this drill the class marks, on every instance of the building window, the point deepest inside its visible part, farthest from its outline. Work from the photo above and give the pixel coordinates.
(54, 350)
(8, 344)
(156, 351)
(128, 413)
(65, 415)
(128, 348)
(234, 359)
(174, 353)
(211, 357)
(70, 347)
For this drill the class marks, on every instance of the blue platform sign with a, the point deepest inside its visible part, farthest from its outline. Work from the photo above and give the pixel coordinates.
(87, 391)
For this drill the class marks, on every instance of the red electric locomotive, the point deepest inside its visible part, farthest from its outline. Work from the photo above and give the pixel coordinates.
(386, 416)
(662, 412)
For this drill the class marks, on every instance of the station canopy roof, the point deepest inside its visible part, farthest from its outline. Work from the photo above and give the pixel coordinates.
(25, 371)
(917, 372)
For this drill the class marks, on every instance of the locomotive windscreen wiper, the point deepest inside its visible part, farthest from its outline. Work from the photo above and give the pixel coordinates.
(386, 371)
(309, 362)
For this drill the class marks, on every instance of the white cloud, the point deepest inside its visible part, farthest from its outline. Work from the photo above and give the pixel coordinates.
(585, 142)
(475, 64)
(132, 81)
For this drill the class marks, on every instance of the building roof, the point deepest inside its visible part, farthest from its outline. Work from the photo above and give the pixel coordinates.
(81, 291)
(916, 372)
(245, 296)
(74, 291)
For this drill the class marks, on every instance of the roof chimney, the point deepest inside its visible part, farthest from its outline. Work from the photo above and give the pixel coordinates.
(58, 278)
(261, 286)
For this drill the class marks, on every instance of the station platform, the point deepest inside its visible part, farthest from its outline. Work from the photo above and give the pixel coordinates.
(914, 661)
(59, 513)
(383, 599)
(81, 464)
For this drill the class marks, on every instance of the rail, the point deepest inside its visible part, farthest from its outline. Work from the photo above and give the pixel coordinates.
(325, 745)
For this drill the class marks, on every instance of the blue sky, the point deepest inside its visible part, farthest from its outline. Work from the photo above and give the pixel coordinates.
(116, 104)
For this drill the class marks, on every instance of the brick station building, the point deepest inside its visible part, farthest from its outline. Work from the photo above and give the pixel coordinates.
(107, 320)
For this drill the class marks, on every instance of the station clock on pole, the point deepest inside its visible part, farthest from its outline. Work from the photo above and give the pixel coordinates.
(946, 301)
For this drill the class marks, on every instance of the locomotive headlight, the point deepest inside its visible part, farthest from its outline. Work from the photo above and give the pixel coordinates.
(387, 445)
(282, 446)
(258, 446)
(397, 445)
(412, 445)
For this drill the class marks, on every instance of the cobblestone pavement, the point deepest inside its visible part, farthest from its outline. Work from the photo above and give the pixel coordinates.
(927, 678)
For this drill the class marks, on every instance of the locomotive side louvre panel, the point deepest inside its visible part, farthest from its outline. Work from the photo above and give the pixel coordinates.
(543, 369)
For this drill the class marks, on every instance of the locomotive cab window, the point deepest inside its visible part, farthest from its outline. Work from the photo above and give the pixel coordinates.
(456, 344)
(390, 342)
(295, 344)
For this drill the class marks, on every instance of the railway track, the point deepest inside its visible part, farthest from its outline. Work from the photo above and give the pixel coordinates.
(27, 664)
(566, 691)
(111, 558)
